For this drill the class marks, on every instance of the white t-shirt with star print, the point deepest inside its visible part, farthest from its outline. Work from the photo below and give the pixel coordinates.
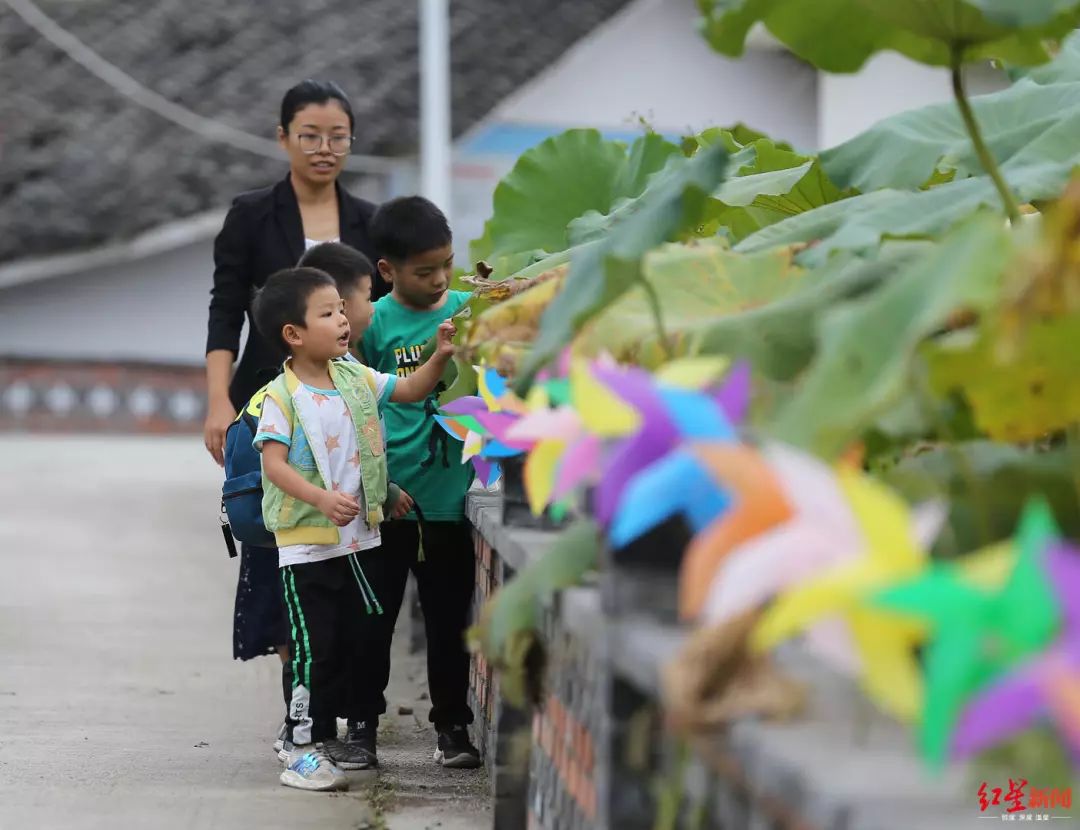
(337, 426)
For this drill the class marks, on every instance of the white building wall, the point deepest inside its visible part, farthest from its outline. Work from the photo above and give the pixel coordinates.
(888, 84)
(152, 309)
(650, 61)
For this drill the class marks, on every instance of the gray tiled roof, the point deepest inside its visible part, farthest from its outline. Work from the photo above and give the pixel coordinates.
(81, 165)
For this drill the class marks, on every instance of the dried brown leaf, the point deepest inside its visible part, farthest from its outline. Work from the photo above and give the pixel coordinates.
(715, 680)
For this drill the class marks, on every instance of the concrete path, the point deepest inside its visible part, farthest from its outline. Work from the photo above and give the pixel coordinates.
(120, 704)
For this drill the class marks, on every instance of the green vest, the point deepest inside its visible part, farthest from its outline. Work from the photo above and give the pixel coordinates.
(294, 522)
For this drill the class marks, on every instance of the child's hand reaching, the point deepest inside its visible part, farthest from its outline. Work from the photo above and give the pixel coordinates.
(444, 346)
(340, 508)
(421, 383)
(402, 507)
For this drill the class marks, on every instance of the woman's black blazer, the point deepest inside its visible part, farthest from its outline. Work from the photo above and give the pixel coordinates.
(263, 234)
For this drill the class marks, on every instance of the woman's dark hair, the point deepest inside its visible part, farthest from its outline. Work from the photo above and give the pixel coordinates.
(313, 92)
(283, 300)
(342, 262)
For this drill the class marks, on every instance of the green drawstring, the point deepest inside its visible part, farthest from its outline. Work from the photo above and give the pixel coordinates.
(363, 593)
(364, 586)
(371, 591)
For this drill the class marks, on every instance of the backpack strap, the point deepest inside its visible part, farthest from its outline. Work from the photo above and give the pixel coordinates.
(254, 405)
(277, 390)
(369, 376)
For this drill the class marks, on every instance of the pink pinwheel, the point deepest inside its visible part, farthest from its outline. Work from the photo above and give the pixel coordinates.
(497, 425)
(548, 434)
(579, 465)
(561, 424)
(822, 533)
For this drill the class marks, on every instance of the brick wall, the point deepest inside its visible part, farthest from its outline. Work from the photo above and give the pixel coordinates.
(596, 754)
(568, 729)
(542, 764)
(500, 730)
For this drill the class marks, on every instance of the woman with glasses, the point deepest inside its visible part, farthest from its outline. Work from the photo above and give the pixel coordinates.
(265, 231)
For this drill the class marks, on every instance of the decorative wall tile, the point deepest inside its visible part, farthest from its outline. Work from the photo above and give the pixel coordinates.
(64, 396)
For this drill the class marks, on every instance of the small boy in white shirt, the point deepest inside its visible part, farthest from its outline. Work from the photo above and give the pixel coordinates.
(325, 483)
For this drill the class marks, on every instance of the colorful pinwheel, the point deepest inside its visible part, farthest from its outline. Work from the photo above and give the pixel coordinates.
(978, 633)
(883, 639)
(1043, 687)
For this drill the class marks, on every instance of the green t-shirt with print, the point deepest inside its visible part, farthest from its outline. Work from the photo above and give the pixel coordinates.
(421, 456)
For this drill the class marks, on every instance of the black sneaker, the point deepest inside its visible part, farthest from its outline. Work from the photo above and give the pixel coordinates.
(358, 750)
(454, 749)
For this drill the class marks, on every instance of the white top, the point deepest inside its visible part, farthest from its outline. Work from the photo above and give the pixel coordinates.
(335, 423)
(311, 243)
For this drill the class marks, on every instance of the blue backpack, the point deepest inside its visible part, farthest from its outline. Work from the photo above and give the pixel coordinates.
(242, 493)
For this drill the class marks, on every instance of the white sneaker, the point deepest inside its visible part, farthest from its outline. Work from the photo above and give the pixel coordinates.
(279, 741)
(310, 768)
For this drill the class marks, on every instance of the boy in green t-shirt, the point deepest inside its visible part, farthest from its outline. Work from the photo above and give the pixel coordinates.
(414, 243)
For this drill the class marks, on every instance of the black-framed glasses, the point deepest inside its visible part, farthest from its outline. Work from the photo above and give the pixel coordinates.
(311, 143)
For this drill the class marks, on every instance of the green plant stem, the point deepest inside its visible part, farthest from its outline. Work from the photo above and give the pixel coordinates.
(670, 789)
(981, 150)
(658, 316)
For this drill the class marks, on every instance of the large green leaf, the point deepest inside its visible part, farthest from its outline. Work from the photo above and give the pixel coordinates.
(602, 272)
(777, 184)
(860, 223)
(696, 283)
(594, 225)
(780, 338)
(758, 307)
(916, 420)
(840, 35)
(742, 190)
(1064, 68)
(733, 138)
(905, 150)
(987, 486)
(1038, 171)
(559, 180)
(867, 345)
(647, 155)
